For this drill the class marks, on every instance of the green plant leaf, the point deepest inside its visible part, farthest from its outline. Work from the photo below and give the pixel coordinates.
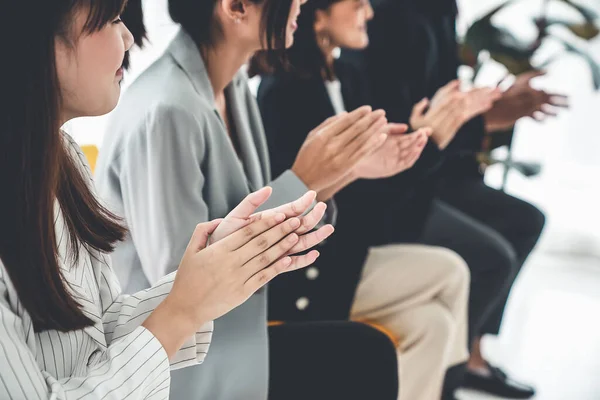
(586, 30)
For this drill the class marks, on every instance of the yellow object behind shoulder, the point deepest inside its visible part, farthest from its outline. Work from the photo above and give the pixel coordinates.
(91, 153)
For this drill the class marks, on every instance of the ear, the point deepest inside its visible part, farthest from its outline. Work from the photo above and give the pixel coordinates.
(235, 10)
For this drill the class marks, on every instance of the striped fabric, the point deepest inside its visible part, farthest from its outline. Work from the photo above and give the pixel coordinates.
(115, 358)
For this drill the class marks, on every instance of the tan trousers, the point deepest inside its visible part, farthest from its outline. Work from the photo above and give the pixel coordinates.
(418, 293)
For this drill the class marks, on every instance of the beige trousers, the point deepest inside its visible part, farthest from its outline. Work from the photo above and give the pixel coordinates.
(418, 293)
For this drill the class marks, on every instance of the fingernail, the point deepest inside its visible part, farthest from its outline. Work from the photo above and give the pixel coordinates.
(287, 261)
(279, 217)
(294, 223)
(293, 238)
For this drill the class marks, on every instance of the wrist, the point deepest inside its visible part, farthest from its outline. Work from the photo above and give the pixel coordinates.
(171, 326)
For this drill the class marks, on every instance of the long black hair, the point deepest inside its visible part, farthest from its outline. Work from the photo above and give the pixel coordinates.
(305, 58)
(36, 170)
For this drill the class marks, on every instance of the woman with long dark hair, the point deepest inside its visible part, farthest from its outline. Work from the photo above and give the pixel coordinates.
(66, 332)
(417, 292)
(186, 143)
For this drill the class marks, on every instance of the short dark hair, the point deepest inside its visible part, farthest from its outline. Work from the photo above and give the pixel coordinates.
(197, 18)
(304, 58)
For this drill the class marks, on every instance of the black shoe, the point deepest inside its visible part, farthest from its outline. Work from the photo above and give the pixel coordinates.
(499, 384)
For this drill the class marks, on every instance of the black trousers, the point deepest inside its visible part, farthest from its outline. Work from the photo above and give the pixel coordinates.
(331, 360)
(495, 233)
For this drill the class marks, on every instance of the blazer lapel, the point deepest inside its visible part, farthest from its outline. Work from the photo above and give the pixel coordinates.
(240, 110)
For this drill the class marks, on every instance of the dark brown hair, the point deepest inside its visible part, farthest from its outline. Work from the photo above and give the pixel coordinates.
(36, 170)
(197, 18)
(304, 58)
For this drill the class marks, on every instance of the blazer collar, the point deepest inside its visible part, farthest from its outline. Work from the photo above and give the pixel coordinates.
(185, 53)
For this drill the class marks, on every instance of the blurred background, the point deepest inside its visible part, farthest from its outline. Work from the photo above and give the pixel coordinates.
(551, 333)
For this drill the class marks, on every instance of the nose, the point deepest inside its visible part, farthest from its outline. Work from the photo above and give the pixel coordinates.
(370, 12)
(128, 39)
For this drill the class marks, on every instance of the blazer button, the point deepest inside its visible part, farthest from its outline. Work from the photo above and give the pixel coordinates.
(302, 303)
(312, 273)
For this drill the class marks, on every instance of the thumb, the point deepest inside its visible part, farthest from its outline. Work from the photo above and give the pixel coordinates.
(419, 108)
(250, 204)
(201, 234)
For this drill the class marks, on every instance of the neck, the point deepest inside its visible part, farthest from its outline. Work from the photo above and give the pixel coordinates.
(329, 61)
(223, 60)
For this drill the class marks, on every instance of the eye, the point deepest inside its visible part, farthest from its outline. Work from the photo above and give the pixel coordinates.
(118, 21)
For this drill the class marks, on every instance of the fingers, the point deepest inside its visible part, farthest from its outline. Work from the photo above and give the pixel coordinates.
(325, 124)
(246, 234)
(201, 234)
(266, 275)
(311, 220)
(249, 205)
(419, 108)
(297, 207)
(312, 239)
(303, 261)
(558, 100)
(363, 129)
(343, 122)
(396, 129)
(528, 76)
(269, 246)
(270, 256)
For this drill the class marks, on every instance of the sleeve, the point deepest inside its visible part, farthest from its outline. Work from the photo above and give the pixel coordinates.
(124, 314)
(133, 367)
(161, 185)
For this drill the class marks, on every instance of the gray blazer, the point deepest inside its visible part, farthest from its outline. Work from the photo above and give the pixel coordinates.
(166, 164)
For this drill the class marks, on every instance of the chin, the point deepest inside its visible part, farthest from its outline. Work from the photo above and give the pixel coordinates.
(289, 42)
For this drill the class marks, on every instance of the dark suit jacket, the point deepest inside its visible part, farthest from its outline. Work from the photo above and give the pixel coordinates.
(370, 212)
(412, 53)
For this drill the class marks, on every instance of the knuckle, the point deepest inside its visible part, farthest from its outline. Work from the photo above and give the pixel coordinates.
(248, 231)
(262, 243)
(264, 259)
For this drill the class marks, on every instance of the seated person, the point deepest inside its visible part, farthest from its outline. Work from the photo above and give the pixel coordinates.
(492, 230)
(417, 292)
(186, 144)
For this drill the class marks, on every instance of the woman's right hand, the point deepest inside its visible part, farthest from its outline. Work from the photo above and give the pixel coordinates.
(334, 148)
(449, 109)
(213, 280)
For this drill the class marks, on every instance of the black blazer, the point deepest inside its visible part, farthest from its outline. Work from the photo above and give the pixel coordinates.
(293, 106)
(414, 52)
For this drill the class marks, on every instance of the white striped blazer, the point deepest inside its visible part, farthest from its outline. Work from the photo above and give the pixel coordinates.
(116, 358)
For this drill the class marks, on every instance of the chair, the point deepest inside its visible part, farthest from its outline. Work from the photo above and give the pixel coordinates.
(91, 153)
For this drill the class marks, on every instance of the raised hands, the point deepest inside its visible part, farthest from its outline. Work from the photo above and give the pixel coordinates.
(399, 153)
(252, 250)
(522, 100)
(245, 213)
(449, 109)
(334, 148)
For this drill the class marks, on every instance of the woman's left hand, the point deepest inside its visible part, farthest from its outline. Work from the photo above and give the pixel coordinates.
(245, 213)
(399, 153)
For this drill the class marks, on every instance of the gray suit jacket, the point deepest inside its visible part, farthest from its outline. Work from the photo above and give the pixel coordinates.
(166, 164)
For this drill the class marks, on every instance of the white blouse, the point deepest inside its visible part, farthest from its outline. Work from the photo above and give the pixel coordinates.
(116, 358)
(334, 90)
